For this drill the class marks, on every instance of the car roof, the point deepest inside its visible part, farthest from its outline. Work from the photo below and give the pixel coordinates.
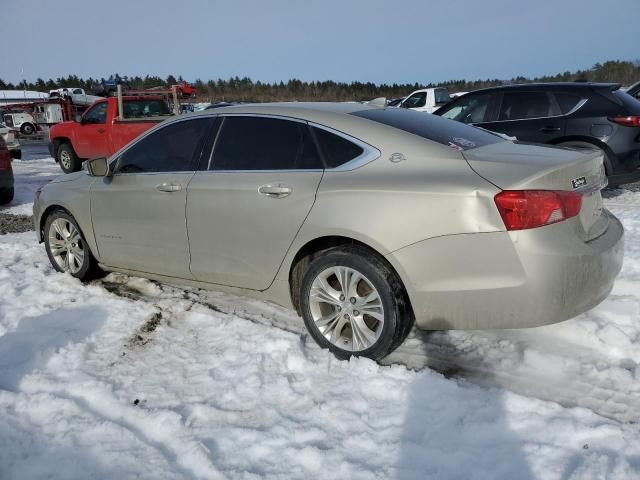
(291, 109)
(551, 85)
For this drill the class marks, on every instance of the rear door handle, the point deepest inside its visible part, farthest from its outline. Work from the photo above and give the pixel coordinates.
(168, 187)
(101, 130)
(274, 191)
(550, 129)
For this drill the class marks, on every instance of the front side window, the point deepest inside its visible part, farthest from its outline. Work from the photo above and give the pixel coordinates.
(261, 143)
(97, 114)
(469, 109)
(174, 148)
(416, 100)
(517, 105)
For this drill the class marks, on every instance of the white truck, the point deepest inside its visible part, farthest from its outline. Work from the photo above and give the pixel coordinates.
(48, 113)
(20, 120)
(77, 95)
(426, 100)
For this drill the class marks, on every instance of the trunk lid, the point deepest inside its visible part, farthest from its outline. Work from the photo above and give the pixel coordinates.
(517, 166)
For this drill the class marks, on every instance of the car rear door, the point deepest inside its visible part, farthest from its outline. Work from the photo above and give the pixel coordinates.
(139, 213)
(247, 205)
(528, 115)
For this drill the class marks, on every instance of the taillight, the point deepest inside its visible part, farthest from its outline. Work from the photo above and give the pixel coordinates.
(523, 209)
(626, 121)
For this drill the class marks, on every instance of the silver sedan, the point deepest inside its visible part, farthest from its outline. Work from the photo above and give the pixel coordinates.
(363, 219)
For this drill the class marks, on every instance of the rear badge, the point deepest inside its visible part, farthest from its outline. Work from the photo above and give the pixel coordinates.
(578, 182)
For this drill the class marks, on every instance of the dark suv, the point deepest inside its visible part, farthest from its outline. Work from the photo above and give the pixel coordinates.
(584, 115)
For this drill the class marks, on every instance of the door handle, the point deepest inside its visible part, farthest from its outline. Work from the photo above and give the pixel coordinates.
(101, 130)
(274, 191)
(550, 129)
(168, 187)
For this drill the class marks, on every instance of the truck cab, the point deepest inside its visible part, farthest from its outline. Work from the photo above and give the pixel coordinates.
(426, 100)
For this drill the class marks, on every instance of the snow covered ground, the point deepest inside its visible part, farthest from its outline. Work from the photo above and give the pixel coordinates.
(126, 378)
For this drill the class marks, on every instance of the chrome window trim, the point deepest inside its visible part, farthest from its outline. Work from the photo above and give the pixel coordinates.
(578, 106)
(368, 155)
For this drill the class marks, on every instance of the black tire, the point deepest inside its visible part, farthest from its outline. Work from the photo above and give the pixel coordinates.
(398, 317)
(6, 195)
(27, 129)
(17, 154)
(89, 268)
(67, 158)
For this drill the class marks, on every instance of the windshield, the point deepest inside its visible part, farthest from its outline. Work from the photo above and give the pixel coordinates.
(446, 132)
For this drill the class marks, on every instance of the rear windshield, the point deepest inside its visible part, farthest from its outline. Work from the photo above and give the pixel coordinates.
(442, 95)
(441, 130)
(628, 102)
(144, 108)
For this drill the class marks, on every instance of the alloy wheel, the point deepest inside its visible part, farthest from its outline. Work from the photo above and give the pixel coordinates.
(346, 308)
(66, 245)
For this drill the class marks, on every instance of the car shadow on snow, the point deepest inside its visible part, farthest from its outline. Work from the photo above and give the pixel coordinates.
(36, 339)
(455, 429)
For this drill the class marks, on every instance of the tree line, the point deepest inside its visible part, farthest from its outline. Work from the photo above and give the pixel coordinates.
(247, 90)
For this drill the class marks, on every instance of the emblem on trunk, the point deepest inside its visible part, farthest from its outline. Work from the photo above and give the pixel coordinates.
(578, 182)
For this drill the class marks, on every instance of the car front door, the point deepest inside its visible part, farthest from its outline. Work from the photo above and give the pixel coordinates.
(530, 116)
(93, 140)
(245, 209)
(138, 213)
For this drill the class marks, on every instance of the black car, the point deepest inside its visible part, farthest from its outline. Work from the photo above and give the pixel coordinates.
(583, 115)
(634, 90)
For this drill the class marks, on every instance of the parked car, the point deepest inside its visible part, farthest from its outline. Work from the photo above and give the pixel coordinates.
(6, 174)
(634, 90)
(109, 87)
(582, 115)
(426, 100)
(360, 218)
(77, 95)
(20, 120)
(395, 102)
(185, 89)
(12, 143)
(100, 131)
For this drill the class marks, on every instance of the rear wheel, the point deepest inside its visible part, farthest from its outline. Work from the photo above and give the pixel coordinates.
(6, 195)
(66, 247)
(17, 154)
(27, 129)
(353, 304)
(67, 158)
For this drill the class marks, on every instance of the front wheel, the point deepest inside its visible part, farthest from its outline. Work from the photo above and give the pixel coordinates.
(353, 304)
(66, 247)
(27, 129)
(67, 158)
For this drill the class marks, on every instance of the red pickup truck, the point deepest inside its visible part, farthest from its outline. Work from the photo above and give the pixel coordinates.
(101, 131)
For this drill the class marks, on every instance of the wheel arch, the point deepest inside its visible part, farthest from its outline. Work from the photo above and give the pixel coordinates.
(307, 252)
(57, 142)
(610, 157)
(86, 231)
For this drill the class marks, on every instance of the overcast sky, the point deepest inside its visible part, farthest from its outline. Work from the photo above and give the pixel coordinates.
(380, 41)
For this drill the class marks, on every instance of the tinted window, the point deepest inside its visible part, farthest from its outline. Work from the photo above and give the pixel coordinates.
(259, 143)
(432, 127)
(468, 109)
(442, 96)
(517, 105)
(416, 100)
(567, 101)
(97, 114)
(144, 108)
(174, 148)
(336, 149)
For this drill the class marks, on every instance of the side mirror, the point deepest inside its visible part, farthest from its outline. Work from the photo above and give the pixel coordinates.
(98, 167)
(77, 118)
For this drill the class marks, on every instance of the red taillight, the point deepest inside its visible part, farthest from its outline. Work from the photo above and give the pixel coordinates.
(522, 209)
(627, 121)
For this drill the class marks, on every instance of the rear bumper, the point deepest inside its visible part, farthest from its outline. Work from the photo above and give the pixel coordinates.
(509, 279)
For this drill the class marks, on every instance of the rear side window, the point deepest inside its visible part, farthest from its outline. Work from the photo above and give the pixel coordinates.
(174, 148)
(144, 108)
(261, 143)
(567, 101)
(416, 100)
(518, 105)
(446, 132)
(336, 149)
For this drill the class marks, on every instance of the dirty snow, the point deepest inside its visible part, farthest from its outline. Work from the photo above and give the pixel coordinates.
(29, 175)
(126, 378)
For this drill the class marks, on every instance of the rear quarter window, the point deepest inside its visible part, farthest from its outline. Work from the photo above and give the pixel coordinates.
(432, 127)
